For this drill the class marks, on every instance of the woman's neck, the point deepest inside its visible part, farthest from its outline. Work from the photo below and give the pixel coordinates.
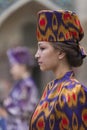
(61, 70)
(26, 75)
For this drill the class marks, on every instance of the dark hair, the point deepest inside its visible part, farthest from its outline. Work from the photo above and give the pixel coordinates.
(72, 51)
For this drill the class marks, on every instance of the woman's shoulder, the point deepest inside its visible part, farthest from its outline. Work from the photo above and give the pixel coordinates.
(71, 85)
(28, 83)
(74, 83)
(75, 90)
(74, 93)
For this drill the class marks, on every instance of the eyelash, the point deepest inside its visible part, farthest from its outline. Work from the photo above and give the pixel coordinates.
(42, 48)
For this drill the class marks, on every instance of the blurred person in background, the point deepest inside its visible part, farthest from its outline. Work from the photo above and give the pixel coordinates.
(63, 105)
(23, 97)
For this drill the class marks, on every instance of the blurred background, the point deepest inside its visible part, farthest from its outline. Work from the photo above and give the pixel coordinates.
(18, 27)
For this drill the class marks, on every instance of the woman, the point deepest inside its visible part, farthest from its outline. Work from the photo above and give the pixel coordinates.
(63, 105)
(23, 96)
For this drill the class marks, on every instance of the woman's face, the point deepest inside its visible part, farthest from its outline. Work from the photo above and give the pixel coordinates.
(16, 71)
(47, 56)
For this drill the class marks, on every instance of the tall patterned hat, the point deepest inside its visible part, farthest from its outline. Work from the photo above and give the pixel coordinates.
(20, 55)
(59, 25)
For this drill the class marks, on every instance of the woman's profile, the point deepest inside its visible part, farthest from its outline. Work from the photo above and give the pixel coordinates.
(63, 105)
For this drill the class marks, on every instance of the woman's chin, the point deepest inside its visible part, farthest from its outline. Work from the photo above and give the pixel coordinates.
(43, 69)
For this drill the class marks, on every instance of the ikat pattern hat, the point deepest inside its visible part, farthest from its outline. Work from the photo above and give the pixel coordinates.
(20, 55)
(59, 26)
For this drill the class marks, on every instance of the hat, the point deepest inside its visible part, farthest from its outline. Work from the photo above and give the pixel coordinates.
(62, 26)
(20, 55)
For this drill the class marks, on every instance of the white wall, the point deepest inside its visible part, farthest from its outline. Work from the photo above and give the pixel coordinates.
(81, 8)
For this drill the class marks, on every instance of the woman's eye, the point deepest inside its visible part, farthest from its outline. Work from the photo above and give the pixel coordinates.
(42, 48)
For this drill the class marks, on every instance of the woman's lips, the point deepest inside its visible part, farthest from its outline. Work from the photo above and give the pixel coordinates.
(39, 62)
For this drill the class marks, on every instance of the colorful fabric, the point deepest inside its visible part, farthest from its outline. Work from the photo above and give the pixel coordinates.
(20, 104)
(63, 106)
(2, 124)
(20, 55)
(54, 26)
(83, 52)
(59, 26)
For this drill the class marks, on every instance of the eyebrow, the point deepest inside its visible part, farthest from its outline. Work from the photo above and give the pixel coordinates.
(40, 44)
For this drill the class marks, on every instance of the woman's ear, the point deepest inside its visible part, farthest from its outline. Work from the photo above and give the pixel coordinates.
(61, 54)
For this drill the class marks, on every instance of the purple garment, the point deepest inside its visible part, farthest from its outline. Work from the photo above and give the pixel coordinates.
(63, 106)
(20, 104)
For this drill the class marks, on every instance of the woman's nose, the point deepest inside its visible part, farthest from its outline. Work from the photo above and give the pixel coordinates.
(37, 55)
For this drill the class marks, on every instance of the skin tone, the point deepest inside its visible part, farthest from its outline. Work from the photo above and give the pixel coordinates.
(19, 71)
(52, 59)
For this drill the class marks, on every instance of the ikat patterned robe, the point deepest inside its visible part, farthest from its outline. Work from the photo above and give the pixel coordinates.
(20, 104)
(63, 106)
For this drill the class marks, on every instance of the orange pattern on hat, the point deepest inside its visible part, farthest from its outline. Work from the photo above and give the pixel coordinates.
(59, 25)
